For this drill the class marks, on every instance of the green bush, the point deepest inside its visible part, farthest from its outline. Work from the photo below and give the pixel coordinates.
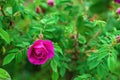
(85, 35)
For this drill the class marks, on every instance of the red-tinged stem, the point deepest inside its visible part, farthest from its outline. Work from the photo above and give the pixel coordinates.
(2, 11)
(94, 36)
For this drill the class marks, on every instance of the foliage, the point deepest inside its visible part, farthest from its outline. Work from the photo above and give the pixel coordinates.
(84, 33)
(4, 75)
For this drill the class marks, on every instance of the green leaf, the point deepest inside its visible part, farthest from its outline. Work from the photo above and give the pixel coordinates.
(81, 39)
(53, 65)
(49, 20)
(20, 45)
(58, 49)
(4, 75)
(8, 58)
(55, 75)
(18, 57)
(102, 55)
(101, 70)
(111, 61)
(62, 71)
(9, 10)
(49, 29)
(79, 23)
(23, 44)
(92, 64)
(4, 35)
(82, 77)
(100, 6)
(104, 48)
(13, 50)
(92, 57)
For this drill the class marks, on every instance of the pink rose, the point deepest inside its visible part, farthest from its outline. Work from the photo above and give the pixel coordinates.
(118, 11)
(117, 1)
(50, 2)
(40, 52)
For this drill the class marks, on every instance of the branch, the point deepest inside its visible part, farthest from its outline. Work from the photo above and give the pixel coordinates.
(76, 45)
(2, 11)
(94, 36)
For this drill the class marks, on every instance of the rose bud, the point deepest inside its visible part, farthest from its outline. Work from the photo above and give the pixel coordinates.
(118, 39)
(41, 36)
(117, 1)
(11, 23)
(38, 9)
(43, 10)
(71, 36)
(118, 11)
(40, 51)
(50, 2)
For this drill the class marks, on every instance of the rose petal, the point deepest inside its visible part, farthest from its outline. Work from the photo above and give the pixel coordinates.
(41, 53)
(39, 50)
(50, 48)
(36, 61)
(38, 44)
